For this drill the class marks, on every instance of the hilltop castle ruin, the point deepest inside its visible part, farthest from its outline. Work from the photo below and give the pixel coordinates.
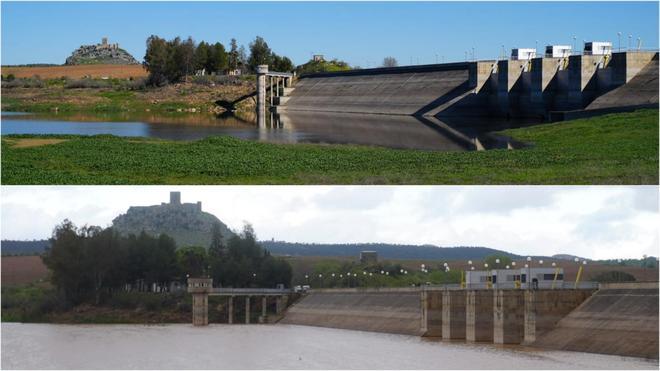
(103, 53)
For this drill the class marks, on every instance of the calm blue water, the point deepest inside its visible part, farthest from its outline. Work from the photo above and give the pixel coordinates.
(299, 127)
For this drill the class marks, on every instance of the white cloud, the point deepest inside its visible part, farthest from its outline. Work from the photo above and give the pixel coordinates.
(595, 222)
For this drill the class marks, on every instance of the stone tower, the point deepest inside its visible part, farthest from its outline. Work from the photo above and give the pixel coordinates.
(175, 198)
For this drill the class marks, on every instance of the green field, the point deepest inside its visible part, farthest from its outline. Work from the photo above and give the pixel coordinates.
(612, 149)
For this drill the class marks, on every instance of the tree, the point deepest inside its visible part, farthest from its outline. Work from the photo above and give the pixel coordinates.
(155, 60)
(260, 53)
(281, 64)
(217, 247)
(242, 57)
(202, 56)
(217, 61)
(192, 261)
(233, 57)
(390, 62)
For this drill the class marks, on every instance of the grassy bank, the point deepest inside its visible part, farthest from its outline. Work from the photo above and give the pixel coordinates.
(613, 149)
(120, 95)
(41, 304)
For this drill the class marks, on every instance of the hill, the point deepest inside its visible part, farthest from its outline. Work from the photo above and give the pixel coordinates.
(102, 53)
(385, 251)
(186, 223)
(35, 247)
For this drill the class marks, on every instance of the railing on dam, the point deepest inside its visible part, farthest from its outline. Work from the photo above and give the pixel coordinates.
(248, 291)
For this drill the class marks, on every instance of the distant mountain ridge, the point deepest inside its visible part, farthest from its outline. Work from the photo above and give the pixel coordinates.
(12, 247)
(384, 250)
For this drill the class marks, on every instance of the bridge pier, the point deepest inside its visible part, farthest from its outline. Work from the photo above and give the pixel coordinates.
(432, 313)
(230, 310)
(264, 310)
(262, 71)
(247, 309)
(200, 288)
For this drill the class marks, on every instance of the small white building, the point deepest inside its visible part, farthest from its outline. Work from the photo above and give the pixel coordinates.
(543, 278)
(523, 54)
(558, 51)
(597, 48)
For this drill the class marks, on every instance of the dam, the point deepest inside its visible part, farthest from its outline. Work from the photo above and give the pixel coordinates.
(543, 87)
(620, 319)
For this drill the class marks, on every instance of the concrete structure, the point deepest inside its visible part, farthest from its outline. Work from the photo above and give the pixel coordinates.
(531, 277)
(545, 308)
(525, 86)
(598, 48)
(202, 288)
(508, 320)
(619, 319)
(395, 311)
(558, 51)
(523, 54)
(175, 198)
(276, 82)
(453, 314)
(368, 257)
(479, 316)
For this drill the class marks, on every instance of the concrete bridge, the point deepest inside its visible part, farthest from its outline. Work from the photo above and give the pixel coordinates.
(511, 88)
(279, 84)
(202, 288)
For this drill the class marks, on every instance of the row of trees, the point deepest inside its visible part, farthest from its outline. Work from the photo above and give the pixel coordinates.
(171, 61)
(91, 263)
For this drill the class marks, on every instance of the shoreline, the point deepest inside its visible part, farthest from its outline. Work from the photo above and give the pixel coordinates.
(611, 149)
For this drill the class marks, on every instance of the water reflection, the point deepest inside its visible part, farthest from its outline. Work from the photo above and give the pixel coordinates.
(427, 133)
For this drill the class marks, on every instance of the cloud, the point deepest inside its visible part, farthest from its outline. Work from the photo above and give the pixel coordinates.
(594, 222)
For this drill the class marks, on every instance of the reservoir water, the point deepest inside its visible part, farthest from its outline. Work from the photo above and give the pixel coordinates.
(182, 346)
(299, 127)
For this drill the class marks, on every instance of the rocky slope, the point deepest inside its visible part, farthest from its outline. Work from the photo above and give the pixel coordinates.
(100, 54)
(186, 223)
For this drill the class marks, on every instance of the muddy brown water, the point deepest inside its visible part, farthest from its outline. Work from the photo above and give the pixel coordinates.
(180, 346)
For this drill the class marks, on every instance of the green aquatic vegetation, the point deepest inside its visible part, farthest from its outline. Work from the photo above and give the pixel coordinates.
(612, 149)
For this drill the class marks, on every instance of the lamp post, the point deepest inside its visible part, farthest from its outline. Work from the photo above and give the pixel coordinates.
(528, 266)
(574, 42)
(629, 41)
(619, 35)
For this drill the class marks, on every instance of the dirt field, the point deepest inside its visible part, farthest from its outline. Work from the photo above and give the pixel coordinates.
(78, 72)
(21, 270)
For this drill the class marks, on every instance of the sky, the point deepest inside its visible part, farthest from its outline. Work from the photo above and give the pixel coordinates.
(595, 222)
(360, 33)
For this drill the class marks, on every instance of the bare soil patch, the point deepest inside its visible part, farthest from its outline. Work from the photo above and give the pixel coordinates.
(33, 142)
(21, 270)
(78, 72)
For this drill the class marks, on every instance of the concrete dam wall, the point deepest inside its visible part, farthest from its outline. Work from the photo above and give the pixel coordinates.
(416, 90)
(505, 88)
(396, 311)
(619, 319)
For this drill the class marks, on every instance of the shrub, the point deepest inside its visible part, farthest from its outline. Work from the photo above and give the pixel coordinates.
(613, 276)
(87, 84)
(28, 82)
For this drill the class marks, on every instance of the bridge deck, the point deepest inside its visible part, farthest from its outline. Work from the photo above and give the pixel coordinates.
(248, 292)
